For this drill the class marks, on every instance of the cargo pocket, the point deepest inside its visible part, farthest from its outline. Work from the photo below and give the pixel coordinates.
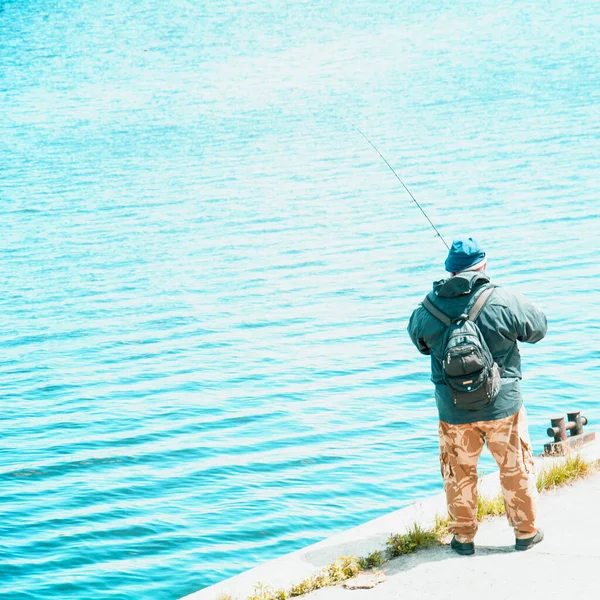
(446, 467)
(527, 456)
(523, 433)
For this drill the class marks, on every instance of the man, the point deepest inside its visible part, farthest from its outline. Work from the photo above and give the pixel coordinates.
(505, 319)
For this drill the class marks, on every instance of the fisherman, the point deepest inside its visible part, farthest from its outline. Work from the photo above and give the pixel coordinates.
(497, 417)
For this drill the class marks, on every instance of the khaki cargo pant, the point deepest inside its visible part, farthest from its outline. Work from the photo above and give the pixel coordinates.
(508, 442)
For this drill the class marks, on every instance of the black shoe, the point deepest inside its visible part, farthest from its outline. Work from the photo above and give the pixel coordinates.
(463, 548)
(529, 542)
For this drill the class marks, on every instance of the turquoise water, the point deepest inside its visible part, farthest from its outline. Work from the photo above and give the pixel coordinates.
(207, 273)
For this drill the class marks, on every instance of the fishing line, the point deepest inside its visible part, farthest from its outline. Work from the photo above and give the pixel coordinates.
(400, 180)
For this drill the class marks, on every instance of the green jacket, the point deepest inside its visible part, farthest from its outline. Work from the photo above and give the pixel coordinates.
(506, 318)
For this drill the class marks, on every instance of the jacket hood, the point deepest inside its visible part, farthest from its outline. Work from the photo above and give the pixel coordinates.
(460, 284)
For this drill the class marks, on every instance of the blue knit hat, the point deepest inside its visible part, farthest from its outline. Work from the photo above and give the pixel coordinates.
(464, 253)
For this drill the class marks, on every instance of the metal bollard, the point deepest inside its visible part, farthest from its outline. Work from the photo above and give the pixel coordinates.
(574, 426)
(558, 429)
(576, 422)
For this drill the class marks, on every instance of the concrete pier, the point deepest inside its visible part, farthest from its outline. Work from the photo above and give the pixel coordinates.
(562, 565)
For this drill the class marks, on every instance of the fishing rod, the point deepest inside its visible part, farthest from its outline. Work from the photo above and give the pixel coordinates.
(400, 180)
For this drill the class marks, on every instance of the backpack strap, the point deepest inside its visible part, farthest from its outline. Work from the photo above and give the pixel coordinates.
(438, 314)
(471, 315)
(479, 303)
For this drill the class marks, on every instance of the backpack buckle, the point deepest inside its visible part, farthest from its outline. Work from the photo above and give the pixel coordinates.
(463, 317)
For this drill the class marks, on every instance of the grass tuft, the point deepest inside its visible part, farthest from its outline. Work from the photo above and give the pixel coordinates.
(416, 537)
(572, 469)
(264, 592)
(373, 561)
(490, 507)
(304, 587)
(343, 568)
(440, 528)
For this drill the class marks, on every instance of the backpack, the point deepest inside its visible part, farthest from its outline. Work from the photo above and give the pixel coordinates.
(470, 373)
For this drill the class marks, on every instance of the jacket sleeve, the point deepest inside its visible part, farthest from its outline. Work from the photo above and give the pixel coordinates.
(529, 321)
(415, 331)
